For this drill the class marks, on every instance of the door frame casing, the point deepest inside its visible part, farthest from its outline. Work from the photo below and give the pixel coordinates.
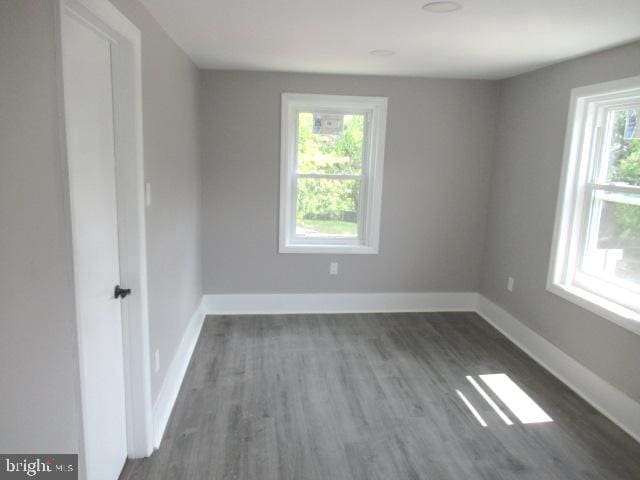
(127, 106)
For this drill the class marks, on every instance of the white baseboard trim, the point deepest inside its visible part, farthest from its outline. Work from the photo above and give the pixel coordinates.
(240, 304)
(608, 400)
(175, 374)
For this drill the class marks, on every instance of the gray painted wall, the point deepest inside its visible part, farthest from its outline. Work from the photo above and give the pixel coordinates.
(438, 154)
(39, 408)
(528, 156)
(38, 357)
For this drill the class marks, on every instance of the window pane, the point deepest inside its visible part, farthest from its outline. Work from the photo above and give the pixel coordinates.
(330, 143)
(623, 147)
(327, 207)
(614, 240)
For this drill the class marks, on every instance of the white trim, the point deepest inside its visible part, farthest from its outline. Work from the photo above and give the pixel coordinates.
(584, 132)
(331, 249)
(246, 304)
(607, 399)
(375, 109)
(127, 89)
(175, 375)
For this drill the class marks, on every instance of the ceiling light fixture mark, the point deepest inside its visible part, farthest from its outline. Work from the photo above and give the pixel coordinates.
(382, 53)
(441, 7)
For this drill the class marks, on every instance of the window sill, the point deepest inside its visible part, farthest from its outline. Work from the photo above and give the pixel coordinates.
(335, 249)
(622, 316)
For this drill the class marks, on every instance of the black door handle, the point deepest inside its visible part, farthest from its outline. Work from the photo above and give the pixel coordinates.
(121, 292)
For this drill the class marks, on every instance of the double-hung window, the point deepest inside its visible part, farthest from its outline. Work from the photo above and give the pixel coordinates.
(596, 254)
(331, 173)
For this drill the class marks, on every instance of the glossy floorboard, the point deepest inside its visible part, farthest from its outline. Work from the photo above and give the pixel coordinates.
(366, 397)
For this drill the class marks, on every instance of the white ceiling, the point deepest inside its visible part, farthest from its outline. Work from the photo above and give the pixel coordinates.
(485, 39)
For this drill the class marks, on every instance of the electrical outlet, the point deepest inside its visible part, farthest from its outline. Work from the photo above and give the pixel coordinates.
(157, 358)
(510, 284)
(333, 268)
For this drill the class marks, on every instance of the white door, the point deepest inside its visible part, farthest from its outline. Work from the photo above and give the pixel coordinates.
(87, 72)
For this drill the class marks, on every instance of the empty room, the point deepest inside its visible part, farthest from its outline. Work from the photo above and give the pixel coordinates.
(340, 240)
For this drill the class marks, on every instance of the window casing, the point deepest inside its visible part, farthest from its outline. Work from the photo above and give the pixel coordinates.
(331, 183)
(595, 259)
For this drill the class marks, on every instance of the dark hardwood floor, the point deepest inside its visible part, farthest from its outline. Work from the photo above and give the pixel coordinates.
(374, 396)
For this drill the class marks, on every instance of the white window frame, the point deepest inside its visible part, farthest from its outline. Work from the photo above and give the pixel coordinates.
(586, 131)
(375, 111)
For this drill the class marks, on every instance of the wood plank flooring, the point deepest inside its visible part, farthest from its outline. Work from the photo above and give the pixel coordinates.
(373, 396)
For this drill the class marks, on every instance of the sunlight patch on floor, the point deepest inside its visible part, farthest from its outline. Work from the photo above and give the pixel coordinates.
(472, 409)
(521, 404)
(490, 401)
